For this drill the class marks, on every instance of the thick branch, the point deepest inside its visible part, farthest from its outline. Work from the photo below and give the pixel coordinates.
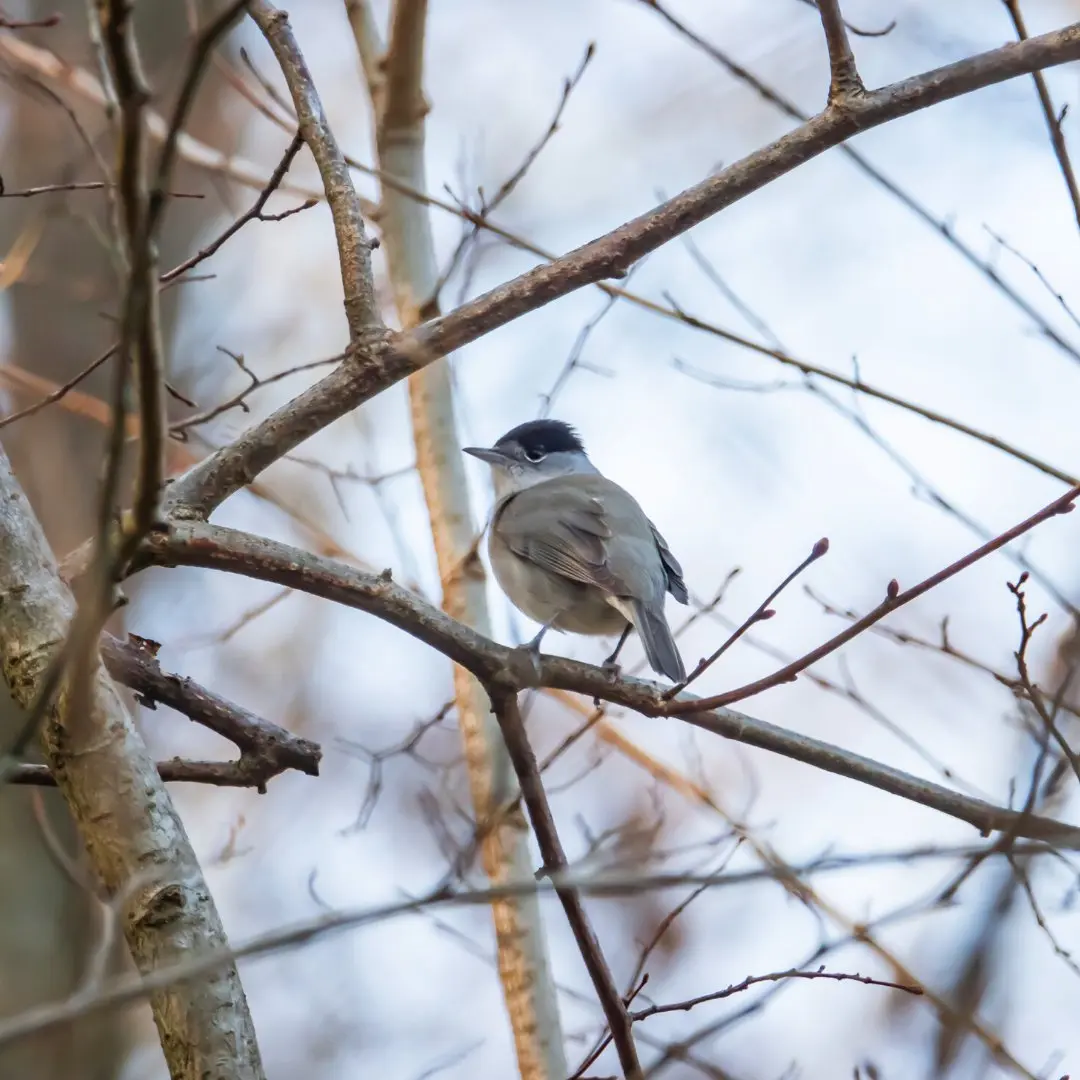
(228, 470)
(354, 247)
(131, 832)
(201, 544)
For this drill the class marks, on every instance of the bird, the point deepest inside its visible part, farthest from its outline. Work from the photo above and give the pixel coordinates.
(573, 550)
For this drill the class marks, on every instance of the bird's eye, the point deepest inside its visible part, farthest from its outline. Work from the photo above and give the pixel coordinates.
(535, 455)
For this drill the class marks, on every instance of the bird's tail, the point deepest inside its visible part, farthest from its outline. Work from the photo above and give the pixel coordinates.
(660, 648)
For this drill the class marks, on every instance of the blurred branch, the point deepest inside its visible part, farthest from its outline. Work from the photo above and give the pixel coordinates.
(46, 23)
(192, 967)
(791, 879)
(55, 395)
(1053, 117)
(921, 486)
(199, 544)
(395, 83)
(124, 815)
(46, 65)
(504, 703)
(940, 227)
(1031, 691)
(82, 185)
(201, 51)
(354, 247)
(355, 382)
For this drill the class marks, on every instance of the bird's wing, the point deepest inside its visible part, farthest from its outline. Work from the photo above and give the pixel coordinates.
(672, 570)
(570, 540)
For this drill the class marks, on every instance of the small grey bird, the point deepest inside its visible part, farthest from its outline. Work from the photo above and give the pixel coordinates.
(573, 550)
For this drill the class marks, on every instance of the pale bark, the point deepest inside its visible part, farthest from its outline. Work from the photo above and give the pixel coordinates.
(133, 836)
(399, 106)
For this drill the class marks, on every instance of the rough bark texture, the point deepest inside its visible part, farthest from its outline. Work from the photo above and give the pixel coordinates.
(133, 836)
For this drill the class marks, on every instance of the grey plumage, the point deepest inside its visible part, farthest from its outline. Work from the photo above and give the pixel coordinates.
(573, 550)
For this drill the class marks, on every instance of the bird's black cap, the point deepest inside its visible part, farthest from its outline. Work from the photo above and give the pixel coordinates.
(544, 437)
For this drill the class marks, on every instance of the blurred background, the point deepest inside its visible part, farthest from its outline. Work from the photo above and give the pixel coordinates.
(912, 268)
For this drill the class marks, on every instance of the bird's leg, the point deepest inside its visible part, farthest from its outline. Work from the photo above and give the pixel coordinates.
(534, 645)
(609, 664)
(531, 651)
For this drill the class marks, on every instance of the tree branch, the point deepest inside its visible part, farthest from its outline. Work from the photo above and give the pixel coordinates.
(504, 703)
(1053, 119)
(265, 748)
(247, 772)
(894, 599)
(201, 544)
(354, 247)
(844, 82)
(132, 833)
(226, 471)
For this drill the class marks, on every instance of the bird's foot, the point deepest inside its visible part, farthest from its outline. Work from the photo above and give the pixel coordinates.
(527, 662)
(612, 667)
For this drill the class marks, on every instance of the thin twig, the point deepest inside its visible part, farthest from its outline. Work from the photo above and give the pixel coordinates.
(894, 599)
(255, 212)
(1031, 691)
(82, 185)
(60, 391)
(1053, 118)
(776, 976)
(760, 614)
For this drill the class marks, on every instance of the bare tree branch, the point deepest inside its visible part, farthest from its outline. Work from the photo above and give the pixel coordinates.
(894, 599)
(229, 469)
(504, 703)
(354, 247)
(254, 213)
(125, 817)
(265, 748)
(939, 226)
(214, 547)
(1053, 118)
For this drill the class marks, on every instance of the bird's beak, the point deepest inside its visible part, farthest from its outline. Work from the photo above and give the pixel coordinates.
(491, 456)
